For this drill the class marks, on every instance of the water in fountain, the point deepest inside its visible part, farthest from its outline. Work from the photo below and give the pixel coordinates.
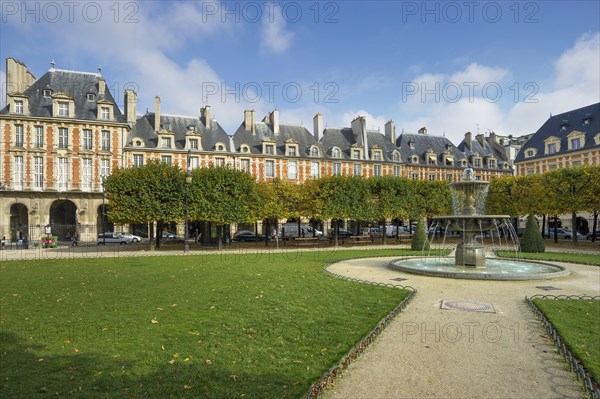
(470, 222)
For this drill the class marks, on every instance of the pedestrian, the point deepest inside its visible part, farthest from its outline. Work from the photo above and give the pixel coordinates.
(75, 239)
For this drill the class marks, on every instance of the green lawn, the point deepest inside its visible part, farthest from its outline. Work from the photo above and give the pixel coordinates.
(578, 322)
(586, 259)
(212, 326)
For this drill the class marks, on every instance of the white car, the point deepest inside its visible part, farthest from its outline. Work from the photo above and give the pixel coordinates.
(117, 238)
(562, 233)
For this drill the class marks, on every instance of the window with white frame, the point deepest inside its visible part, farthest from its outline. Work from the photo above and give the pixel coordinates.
(194, 163)
(396, 157)
(220, 162)
(39, 136)
(194, 144)
(63, 108)
(491, 163)
(269, 169)
(38, 173)
(376, 170)
(62, 173)
(138, 159)
(245, 165)
(104, 169)
(337, 169)
(19, 136)
(477, 162)
(551, 148)
(314, 152)
(292, 151)
(292, 170)
(165, 142)
(91, 97)
(356, 154)
(106, 140)
(269, 149)
(432, 176)
(105, 113)
(86, 174)
(315, 169)
(357, 169)
(167, 159)
(377, 155)
(87, 139)
(63, 137)
(414, 176)
(396, 170)
(18, 106)
(18, 175)
(336, 153)
(576, 143)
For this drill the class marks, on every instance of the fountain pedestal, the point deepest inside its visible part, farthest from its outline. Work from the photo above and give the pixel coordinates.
(470, 255)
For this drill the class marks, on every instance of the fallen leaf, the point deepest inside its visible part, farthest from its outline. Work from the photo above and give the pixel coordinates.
(154, 321)
(187, 387)
(171, 361)
(208, 362)
(233, 377)
(159, 308)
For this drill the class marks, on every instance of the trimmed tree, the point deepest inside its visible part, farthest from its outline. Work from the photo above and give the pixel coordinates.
(419, 240)
(532, 240)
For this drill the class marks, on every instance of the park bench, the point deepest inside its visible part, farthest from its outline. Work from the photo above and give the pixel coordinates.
(305, 241)
(361, 239)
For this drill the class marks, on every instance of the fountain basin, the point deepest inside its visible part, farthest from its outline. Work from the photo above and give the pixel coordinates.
(495, 269)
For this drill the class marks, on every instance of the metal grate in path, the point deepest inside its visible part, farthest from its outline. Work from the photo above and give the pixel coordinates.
(468, 306)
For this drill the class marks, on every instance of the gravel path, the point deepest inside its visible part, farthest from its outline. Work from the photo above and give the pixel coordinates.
(428, 352)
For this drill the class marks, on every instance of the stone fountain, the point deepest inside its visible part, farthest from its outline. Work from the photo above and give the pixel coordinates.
(467, 191)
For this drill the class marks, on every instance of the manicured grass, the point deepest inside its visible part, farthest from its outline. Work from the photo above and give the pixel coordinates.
(586, 259)
(578, 322)
(258, 325)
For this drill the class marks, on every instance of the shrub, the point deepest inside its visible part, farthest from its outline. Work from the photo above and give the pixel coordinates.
(419, 239)
(532, 240)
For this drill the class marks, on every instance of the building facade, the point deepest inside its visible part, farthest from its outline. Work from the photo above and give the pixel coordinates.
(63, 133)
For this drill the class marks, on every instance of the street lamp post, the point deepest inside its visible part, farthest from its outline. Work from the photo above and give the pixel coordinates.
(188, 181)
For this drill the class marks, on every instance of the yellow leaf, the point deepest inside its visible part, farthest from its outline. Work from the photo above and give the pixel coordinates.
(171, 361)
(162, 347)
(187, 359)
(208, 362)
(187, 387)
(154, 321)
(159, 308)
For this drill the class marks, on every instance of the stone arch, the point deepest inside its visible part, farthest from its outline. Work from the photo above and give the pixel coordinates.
(63, 218)
(103, 224)
(19, 222)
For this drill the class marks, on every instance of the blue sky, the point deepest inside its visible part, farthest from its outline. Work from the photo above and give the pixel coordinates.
(452, 67)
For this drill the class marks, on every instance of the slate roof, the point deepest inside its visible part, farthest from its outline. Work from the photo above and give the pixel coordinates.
(178, 124)
(264, 131)
(571, 120)
(344, 139)
(73, 83)
(484, 148)
(424, 142)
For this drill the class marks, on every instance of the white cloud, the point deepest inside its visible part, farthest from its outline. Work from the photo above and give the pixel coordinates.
(273, 34)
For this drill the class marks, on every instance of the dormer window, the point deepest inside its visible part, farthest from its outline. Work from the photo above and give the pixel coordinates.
(575, 140)
(414, 159)
(376, 155)
(463, 163)
(269, 149)
(587, 119)
(18, 106)
(220, 147)
(356, 154)
(291, 148)
(396, 156)
(411, 144)
(491, 163)
(91, 97)
(47, 93)
(292, 151)
(63, 109)
(336, 153)
(477, 162)
(552, 145)
(105, 113)
(431, 158)
(166, 142)
(564, 124)
(244, 148)
(314, 152)
(191, 128)
(193, 144)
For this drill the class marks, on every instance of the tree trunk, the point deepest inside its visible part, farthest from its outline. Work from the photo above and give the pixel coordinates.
(220, 236)
(575, 227)
(595, 226)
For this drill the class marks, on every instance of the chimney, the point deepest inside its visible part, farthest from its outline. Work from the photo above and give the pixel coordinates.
(130, 106)
(492, 138)
(359, 130)
(468, 139)
(156, 113)
(101, 86)
(318, 126)
(249, 120)
(18, 78)
(479, 137)
(205, 116)
(390, 131)
(274, 119)
(423, 130)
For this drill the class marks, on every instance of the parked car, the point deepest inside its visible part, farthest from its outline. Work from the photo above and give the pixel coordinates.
(561, 233)
(589, 235)
(134, 239)
(341, 232)
(169, 238)
(291, 230)
(115, 238)
(247, 235)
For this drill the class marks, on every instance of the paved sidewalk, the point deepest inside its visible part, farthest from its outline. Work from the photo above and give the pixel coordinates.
(428, 352)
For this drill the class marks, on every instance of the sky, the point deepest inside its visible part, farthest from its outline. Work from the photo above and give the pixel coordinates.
(449, 66)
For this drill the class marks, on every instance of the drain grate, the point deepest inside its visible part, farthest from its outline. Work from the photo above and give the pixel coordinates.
(548, 288)
(468, 306)
(398, 279)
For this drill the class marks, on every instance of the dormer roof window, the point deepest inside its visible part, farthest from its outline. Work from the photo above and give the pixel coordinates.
(47, 93)
(91, 97)
(587, 119)
(564, 124)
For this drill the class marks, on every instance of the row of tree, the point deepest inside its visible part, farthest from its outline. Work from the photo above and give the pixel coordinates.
(558, 192)
(156, 192)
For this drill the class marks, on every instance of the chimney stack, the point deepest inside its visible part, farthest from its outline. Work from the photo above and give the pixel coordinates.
(249, 120)
(156, 113)
(101, 86)
(205, 116)
(359, 130)
(318, 126)
(423, 130)
(479, 137)
(274, 119)
(18, 78)
(492, 138)
(468, 139)
(130, 106)
(390, 131)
